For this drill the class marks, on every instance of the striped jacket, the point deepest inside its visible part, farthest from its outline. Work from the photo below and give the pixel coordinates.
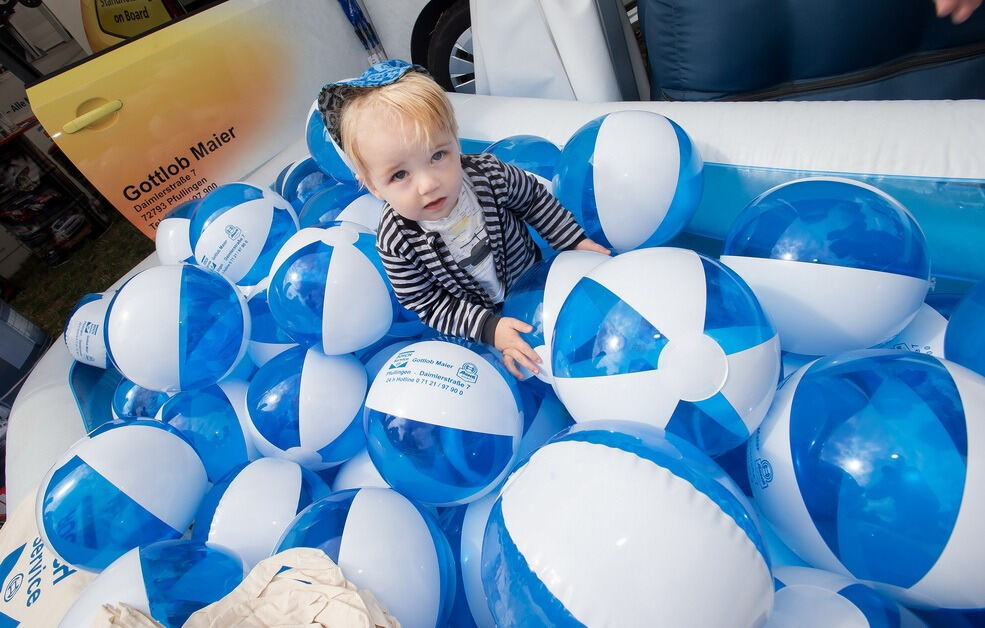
(428, 281)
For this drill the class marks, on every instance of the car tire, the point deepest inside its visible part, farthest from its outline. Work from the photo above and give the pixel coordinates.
(450, 58)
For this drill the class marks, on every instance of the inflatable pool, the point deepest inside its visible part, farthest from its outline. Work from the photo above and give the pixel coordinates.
(925, 154)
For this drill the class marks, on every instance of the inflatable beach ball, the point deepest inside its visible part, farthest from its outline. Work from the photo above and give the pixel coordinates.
(122, 486)
(614, 524)
(632, 178)
(305, 406)
(237, 230)
(267, 338)
(812, 598)
(537, 295)
(85, 329)
(964, 340)
(531, 153)
(443, 422)
(326, 153)
(869, 465)
(172, 239)
(464, 527)
(328, 286)
(341, 202)
(250, 509)
(671, 338)
(837, 264)
(386, 544)
(179, 327)
(168, 580)
(209, 420)
(299, 180)
(131, 401)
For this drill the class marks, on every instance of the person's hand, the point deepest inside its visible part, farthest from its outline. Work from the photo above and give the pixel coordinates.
(591, 245)
(515, 349)
(959, 10)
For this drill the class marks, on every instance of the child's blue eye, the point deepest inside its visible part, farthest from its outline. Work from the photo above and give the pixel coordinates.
(399, 175)
(438, 156)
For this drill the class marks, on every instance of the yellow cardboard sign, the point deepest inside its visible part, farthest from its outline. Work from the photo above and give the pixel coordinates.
(171, 115)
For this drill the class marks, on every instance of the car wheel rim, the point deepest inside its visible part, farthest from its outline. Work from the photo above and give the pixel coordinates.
(461, 64)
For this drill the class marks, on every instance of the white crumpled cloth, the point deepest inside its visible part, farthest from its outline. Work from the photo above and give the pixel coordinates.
(311, 592)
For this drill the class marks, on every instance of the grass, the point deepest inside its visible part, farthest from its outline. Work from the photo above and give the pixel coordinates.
(46, 295)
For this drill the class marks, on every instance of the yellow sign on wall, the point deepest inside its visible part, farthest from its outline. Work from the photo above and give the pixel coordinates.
(169, 116)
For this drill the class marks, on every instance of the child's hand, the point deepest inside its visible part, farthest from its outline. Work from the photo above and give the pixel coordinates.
(959, 10)
(515, 350)
(591, 245)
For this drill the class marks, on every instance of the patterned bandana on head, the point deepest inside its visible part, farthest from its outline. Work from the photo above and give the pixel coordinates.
(334, 95)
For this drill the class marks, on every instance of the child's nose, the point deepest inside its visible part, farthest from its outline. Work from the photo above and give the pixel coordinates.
(427, 183)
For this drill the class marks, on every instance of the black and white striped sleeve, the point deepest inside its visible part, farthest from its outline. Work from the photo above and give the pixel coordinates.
(535, 205)
(417, 290)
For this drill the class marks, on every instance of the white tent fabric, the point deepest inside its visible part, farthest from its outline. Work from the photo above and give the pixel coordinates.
(546, 49)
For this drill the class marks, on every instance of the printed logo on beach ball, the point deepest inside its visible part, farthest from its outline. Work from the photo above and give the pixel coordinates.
(179, 327)
(632, 178)
(85, 329)
(654, 534)
(868, 464)
(122, 486)
(386, 544)
(443, 422)
(237, 230)
(838, 265)
(324, 150)
(328, 286)
(671, 338)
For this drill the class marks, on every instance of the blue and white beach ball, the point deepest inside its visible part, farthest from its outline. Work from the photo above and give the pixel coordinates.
(250, 509)
(386, 544)
(207, 418)
(531, 153)
(85, 329)
(654, 533)
(323, 207)
(179, 327)
(671, 338)
(443, 422)
(131, 401)
(869, 464)
(267, 338)
(168, 580)
(632, 178)
(464, 526)
(238, 228)
(172, 238)
(323, 148)
(332, 290)
(813, 598)
(964, 340)
(837, 264)
(299, 180)
(358, 472)
(305, 406)
(122, 486)
(537, 295)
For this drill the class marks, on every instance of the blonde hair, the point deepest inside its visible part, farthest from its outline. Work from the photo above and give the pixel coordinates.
(414, 95)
